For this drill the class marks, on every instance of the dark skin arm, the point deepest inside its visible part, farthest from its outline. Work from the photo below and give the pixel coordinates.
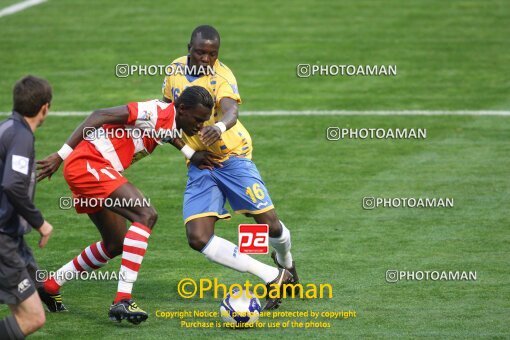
(230, 109)
(113, 115)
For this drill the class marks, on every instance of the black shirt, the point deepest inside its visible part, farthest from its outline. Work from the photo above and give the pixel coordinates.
(17, 177)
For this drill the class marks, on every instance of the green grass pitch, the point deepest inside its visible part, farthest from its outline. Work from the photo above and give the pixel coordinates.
(450, 55)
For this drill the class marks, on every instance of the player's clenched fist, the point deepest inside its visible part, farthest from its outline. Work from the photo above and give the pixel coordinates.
(205, 160)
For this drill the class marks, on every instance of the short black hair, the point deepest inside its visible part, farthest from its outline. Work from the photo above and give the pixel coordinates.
(207, 32)
(193, 96)
(30, 93)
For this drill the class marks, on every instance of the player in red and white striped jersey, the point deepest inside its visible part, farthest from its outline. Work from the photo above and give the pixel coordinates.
(114, 139)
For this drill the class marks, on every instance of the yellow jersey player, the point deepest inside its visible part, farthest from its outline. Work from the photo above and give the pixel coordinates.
(220, 168)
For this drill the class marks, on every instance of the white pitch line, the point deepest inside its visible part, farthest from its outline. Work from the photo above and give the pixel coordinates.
(19, 7)
(328, 113)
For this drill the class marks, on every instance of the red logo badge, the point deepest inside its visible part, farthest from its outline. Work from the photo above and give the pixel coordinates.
(254, 238)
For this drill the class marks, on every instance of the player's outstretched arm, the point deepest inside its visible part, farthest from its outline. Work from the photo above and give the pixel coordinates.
(230, 109)
(113, 115)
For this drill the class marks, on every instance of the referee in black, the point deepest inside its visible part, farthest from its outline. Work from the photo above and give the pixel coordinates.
(18, 214)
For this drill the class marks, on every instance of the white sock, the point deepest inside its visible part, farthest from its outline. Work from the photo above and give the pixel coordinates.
(93, 257)
(60, 275)
(282, 246)
(227, 254)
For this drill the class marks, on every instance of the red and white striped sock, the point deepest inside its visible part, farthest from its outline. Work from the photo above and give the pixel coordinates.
(133, 251)
(93, 257)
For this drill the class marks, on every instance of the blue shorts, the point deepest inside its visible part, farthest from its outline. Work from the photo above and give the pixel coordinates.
(238, 181)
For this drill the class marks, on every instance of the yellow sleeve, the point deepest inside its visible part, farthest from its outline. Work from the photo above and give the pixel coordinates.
(167, 89)
(227, 86)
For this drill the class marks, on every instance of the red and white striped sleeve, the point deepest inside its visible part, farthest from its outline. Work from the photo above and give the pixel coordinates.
(143, 115)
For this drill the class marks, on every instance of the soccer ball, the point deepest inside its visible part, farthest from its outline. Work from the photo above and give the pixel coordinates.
(240, 309)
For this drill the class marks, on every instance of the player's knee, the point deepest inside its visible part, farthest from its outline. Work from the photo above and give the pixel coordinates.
(149, 217)
(198, 242)
(199, 232)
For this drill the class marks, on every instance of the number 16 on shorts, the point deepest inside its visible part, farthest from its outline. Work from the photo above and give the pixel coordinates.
(254, 238)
